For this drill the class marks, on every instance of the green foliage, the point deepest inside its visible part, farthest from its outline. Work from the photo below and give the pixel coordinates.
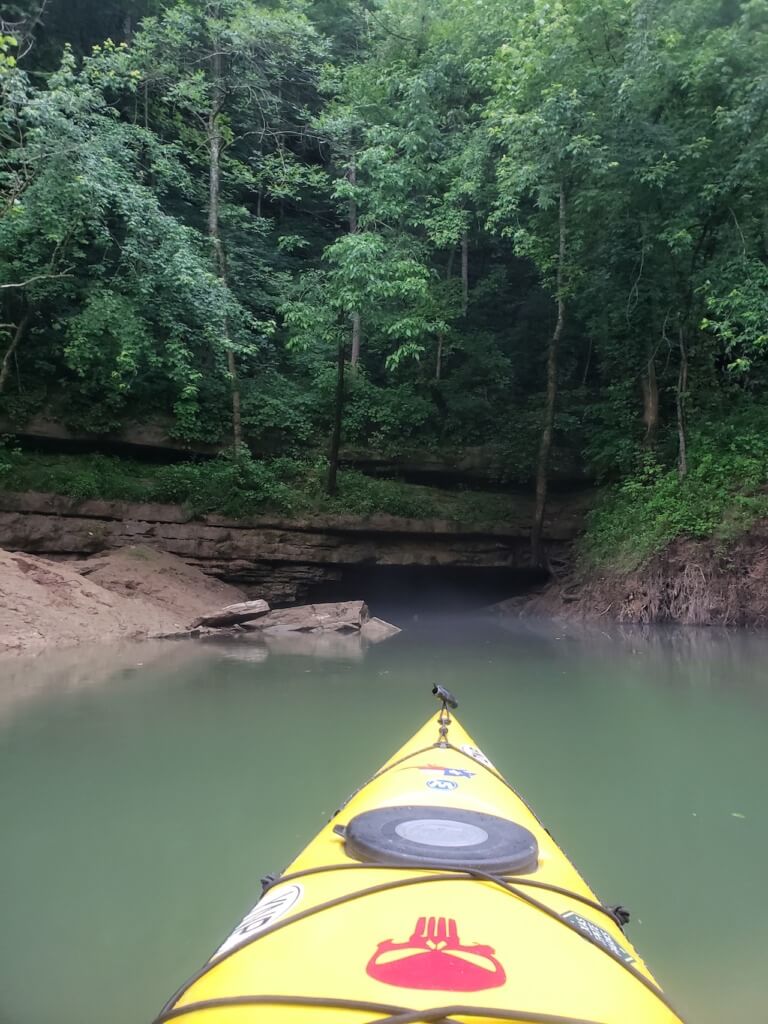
(9, 459)
(364, 496)
(120, 295)
(8, 45)
(77, 476)
(241, 486)
(403, 165)
(737, 312)
(387, 419)
(234, 484)
(721, 495)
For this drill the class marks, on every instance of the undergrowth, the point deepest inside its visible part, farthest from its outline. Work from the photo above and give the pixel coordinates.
(720, 497)
(241, 487)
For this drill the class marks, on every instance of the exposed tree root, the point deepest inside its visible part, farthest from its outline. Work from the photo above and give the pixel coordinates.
(692, 582)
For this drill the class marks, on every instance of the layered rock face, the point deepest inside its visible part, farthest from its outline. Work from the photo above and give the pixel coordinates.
(272, 558)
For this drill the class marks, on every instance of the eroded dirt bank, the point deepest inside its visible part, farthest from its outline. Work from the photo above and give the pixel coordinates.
(125, 594)
(692, 582)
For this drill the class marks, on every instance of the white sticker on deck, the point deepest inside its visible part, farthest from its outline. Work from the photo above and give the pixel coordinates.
(476, 754)
(273, 905)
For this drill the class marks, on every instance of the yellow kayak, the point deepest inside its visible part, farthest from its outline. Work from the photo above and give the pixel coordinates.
(434, 895)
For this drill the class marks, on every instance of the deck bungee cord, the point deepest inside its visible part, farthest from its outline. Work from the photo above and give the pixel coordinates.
(439, 839)
(434, 1015)
(443, 875)
(618, 918)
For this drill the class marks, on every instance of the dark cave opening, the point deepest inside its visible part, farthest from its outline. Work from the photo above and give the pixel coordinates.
(394, 590)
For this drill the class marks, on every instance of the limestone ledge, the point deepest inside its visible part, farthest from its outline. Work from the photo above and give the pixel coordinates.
(269, 556)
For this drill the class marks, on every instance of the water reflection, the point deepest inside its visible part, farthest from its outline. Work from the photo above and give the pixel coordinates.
(698, 655)
(333, 646)
(29, 677)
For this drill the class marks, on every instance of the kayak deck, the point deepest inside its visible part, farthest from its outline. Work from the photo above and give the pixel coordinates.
(434, 894)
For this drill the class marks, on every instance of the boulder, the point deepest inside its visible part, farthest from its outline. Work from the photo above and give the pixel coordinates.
(233, 614)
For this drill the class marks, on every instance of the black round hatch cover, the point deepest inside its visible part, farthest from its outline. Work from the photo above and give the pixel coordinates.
(448, 836)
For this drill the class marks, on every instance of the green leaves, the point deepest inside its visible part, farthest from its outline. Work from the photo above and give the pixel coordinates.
(737, 312)
(8, 44)
(120, 289)
(402, 165)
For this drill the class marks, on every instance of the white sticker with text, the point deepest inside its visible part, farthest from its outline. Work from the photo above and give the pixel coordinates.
(476, 754)
(270, 908)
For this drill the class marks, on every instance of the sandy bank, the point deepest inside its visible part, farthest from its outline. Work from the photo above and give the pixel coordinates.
(125, 594)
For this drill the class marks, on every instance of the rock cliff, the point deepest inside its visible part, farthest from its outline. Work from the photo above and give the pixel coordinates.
(274, 558)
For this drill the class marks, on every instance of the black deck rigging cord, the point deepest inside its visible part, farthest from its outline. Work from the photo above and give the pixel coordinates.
(396, 1014)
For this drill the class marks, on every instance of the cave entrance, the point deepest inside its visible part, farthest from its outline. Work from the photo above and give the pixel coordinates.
(393, 590)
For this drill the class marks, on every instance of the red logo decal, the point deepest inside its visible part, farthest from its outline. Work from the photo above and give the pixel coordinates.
(434, 958)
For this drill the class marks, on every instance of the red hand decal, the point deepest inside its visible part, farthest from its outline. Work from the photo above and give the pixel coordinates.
(434, 958)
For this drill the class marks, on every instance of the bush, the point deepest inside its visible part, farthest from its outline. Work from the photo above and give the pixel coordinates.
(365, 496)
(720, 496)
(9, 457)
(234, 484)
(77, 476)
(242, 486)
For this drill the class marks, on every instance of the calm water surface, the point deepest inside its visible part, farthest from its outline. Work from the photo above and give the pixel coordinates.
(145, 791)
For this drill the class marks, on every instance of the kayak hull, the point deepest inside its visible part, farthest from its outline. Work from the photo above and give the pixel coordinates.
(348, 933)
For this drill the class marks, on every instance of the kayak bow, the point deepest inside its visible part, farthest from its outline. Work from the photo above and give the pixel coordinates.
(434, 894)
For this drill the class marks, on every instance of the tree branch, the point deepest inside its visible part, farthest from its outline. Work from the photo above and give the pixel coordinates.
(32, 280)
(25, 30)
(18, 335)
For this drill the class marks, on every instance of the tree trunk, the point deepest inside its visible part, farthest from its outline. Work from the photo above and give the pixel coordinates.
(545, 445)
(352, 178)
(215, 145)
(333, 454)
(682, 388)
(464, 272)
(650, 387)
(440, 337)
(18, 334)
(260, 193)
(355, 356)
(439, 360)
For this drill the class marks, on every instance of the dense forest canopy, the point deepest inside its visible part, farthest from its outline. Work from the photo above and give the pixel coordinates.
(539, 226)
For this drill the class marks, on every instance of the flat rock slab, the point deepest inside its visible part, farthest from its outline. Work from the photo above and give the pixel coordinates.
(253, 620)
(233, 614)
(335, 617)
(375, 630)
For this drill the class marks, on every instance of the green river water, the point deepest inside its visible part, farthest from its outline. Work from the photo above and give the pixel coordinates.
(145, 790)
